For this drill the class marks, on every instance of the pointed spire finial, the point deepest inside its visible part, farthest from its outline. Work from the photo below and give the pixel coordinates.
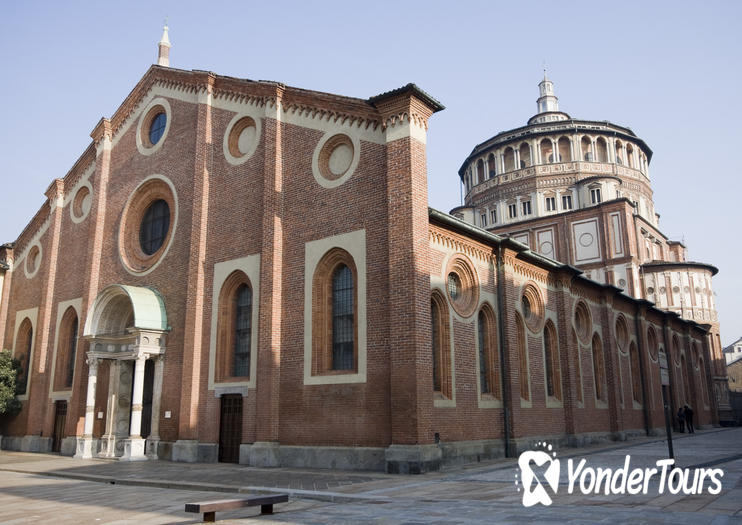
(163, 47)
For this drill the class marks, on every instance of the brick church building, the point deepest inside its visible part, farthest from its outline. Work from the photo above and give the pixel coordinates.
(244, 271)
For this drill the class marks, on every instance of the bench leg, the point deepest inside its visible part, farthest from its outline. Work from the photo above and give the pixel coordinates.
(210, 517)
(266, 509)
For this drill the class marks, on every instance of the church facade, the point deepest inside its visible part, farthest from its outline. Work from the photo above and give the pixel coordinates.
(248, 272)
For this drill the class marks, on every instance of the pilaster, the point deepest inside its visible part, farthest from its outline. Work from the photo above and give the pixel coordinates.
(195, 355)
(271, 277)
(405, 113)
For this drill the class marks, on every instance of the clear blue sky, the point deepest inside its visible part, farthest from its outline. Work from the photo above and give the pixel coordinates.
(668, 70)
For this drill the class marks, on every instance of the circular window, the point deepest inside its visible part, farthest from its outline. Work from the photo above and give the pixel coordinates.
(157, 127)
(241, 139)
(33, 261)
(650, 290)
(532, 306)
(147, 225)
(155, 226)
(462, 285)
(583, 322)
(335, 159)
(81, 204)
(153, 126)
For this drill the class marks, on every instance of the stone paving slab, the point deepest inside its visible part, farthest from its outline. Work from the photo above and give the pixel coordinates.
(144, 492)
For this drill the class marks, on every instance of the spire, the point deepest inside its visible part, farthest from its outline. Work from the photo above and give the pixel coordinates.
(163, 55)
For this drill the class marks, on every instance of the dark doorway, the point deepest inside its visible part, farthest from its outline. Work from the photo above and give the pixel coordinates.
(149, 380)
(60, 418)
(230, 428)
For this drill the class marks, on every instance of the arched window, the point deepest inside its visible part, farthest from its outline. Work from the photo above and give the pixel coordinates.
(242, 331)
(440, 346)
(652, 342)
(598, 368)
(587, 149)
(630, 155)
(565, 152)
(551, 362)
(547, 154)
(334, 314)
(509, 159)
(578, 365)
(492, 165)
(488, 363)
(480, 171)
(234, 336)
(524, 376)
(636, 384)
(23, 347)
(602, 149)
(66, 350)
(619, 153)
(525, 155)
(342, 319)
(686, 397)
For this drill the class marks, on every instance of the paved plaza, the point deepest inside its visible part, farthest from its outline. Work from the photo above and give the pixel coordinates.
(40, 488)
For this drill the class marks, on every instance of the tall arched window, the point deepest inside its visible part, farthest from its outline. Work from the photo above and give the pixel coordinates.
(334, 314)
(480, 172)
(551, 362)
(704, 385)
(440, 346)
(489, 375)
(598, 368)
(242, 331)
(578, 365)
(636, 384)
(602, 149)
(234, 336)
(342, 318)
(66, 350)
(524, 376)
(23, 347)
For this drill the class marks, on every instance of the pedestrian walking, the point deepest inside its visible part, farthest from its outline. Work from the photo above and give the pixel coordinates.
(681, 419)
(688, 412)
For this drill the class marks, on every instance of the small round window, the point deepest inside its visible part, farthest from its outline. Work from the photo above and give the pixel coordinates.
(155, 226)
(157, 128)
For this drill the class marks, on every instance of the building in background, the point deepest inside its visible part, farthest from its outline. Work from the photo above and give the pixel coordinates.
(244, 271)
(579, 191)
(733, 351)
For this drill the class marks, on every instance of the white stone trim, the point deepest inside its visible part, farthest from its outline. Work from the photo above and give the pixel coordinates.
(71, 199)
(32, 314)
(250, 266)
(173, 225)
(39, 258)
(321, 180)
(355, 244)
(61, 309)
(256, 115)
(143, 148)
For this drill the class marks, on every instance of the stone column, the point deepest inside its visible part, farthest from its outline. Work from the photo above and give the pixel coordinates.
(134, 446)
(85, 446)
(108, 441)
(154, 434)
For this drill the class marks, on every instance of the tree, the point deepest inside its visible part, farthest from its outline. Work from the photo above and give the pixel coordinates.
(9, 370)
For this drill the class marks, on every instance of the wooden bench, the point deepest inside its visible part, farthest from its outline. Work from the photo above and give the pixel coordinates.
(209, 508)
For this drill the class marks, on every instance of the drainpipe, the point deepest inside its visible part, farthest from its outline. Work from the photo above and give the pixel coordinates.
(505, 380)
(642, 372)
